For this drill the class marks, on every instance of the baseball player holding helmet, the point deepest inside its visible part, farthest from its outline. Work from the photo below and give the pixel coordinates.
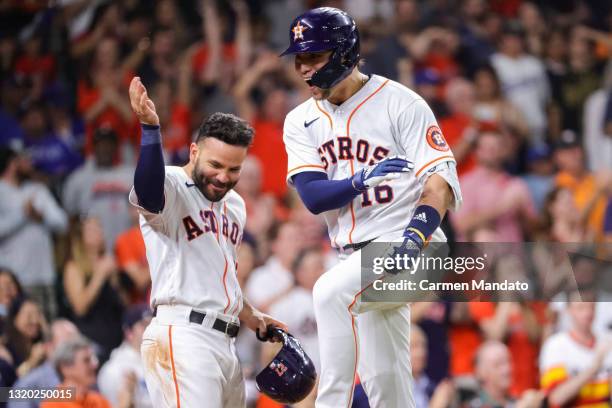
(367, 153)
(192, 223)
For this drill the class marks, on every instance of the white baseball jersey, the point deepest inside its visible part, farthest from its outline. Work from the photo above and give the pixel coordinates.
(563, 357)
(384, 118)
(192, 246)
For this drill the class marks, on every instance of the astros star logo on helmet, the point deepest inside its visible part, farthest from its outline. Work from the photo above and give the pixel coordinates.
(298, 31)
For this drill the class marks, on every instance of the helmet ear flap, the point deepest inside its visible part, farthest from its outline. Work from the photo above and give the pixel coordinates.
(349, 59)
(340, 64)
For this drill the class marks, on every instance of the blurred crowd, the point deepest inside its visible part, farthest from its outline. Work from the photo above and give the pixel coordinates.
(522, 91)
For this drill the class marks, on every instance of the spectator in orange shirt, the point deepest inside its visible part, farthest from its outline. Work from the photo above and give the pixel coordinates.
(520, 327)
(172, 102)
(589, 191)
(459, 127)
(267, 121)
(131, 256)
(76, 363)
(35, 64)
(435, 48)
(216, 63)
(101, 100)
(464, 338)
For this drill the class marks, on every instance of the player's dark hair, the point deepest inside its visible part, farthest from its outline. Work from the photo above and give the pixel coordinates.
(227, 128)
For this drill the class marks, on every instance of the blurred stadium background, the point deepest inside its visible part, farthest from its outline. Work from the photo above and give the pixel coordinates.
(523, 94)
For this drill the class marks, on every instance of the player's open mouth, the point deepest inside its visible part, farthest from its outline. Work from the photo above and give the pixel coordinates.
(311, 87)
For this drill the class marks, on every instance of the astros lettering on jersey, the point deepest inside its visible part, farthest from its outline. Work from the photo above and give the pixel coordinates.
(192, 246)
(391, 120)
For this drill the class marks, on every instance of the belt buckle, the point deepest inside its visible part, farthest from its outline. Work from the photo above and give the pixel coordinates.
(229, 326)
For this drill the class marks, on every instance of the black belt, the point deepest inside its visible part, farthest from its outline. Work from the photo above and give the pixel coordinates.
(231, 329)
(357, 246)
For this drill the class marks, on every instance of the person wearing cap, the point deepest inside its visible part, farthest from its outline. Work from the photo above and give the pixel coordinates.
(121, 378)
(539, 177)
(99, 188)
(427, 83)
(589, 190)
(383, 131)
(51, 156)
(29, 215)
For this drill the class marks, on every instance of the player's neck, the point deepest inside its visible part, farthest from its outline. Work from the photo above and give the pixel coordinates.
(347, 88)
(188, 169)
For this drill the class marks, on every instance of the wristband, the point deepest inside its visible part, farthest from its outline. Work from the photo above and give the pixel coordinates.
(150, 134)
(424, 222)
(359, 185)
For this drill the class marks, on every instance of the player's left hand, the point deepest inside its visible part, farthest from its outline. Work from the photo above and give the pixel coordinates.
(387, 169)
(410, 247)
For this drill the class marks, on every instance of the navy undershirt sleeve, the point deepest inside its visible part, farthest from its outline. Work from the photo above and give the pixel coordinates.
(150, 171)
(320, 194)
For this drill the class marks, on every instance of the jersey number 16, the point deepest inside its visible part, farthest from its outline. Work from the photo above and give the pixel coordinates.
(382, 194)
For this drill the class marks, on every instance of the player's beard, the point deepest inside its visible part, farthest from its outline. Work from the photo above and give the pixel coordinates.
(203, 182)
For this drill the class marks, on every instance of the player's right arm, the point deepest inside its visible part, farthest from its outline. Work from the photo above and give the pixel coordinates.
(255, 320)
(150, 171)
(320, 194)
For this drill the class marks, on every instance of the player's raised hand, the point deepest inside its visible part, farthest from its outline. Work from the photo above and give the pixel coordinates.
(387, 169)
(142, 105)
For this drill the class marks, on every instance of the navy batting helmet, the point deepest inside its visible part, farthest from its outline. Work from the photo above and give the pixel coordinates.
(291, 375)
(323, 29)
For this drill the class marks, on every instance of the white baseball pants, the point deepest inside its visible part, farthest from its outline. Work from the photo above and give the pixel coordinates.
(369, 338)
(190, 365)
